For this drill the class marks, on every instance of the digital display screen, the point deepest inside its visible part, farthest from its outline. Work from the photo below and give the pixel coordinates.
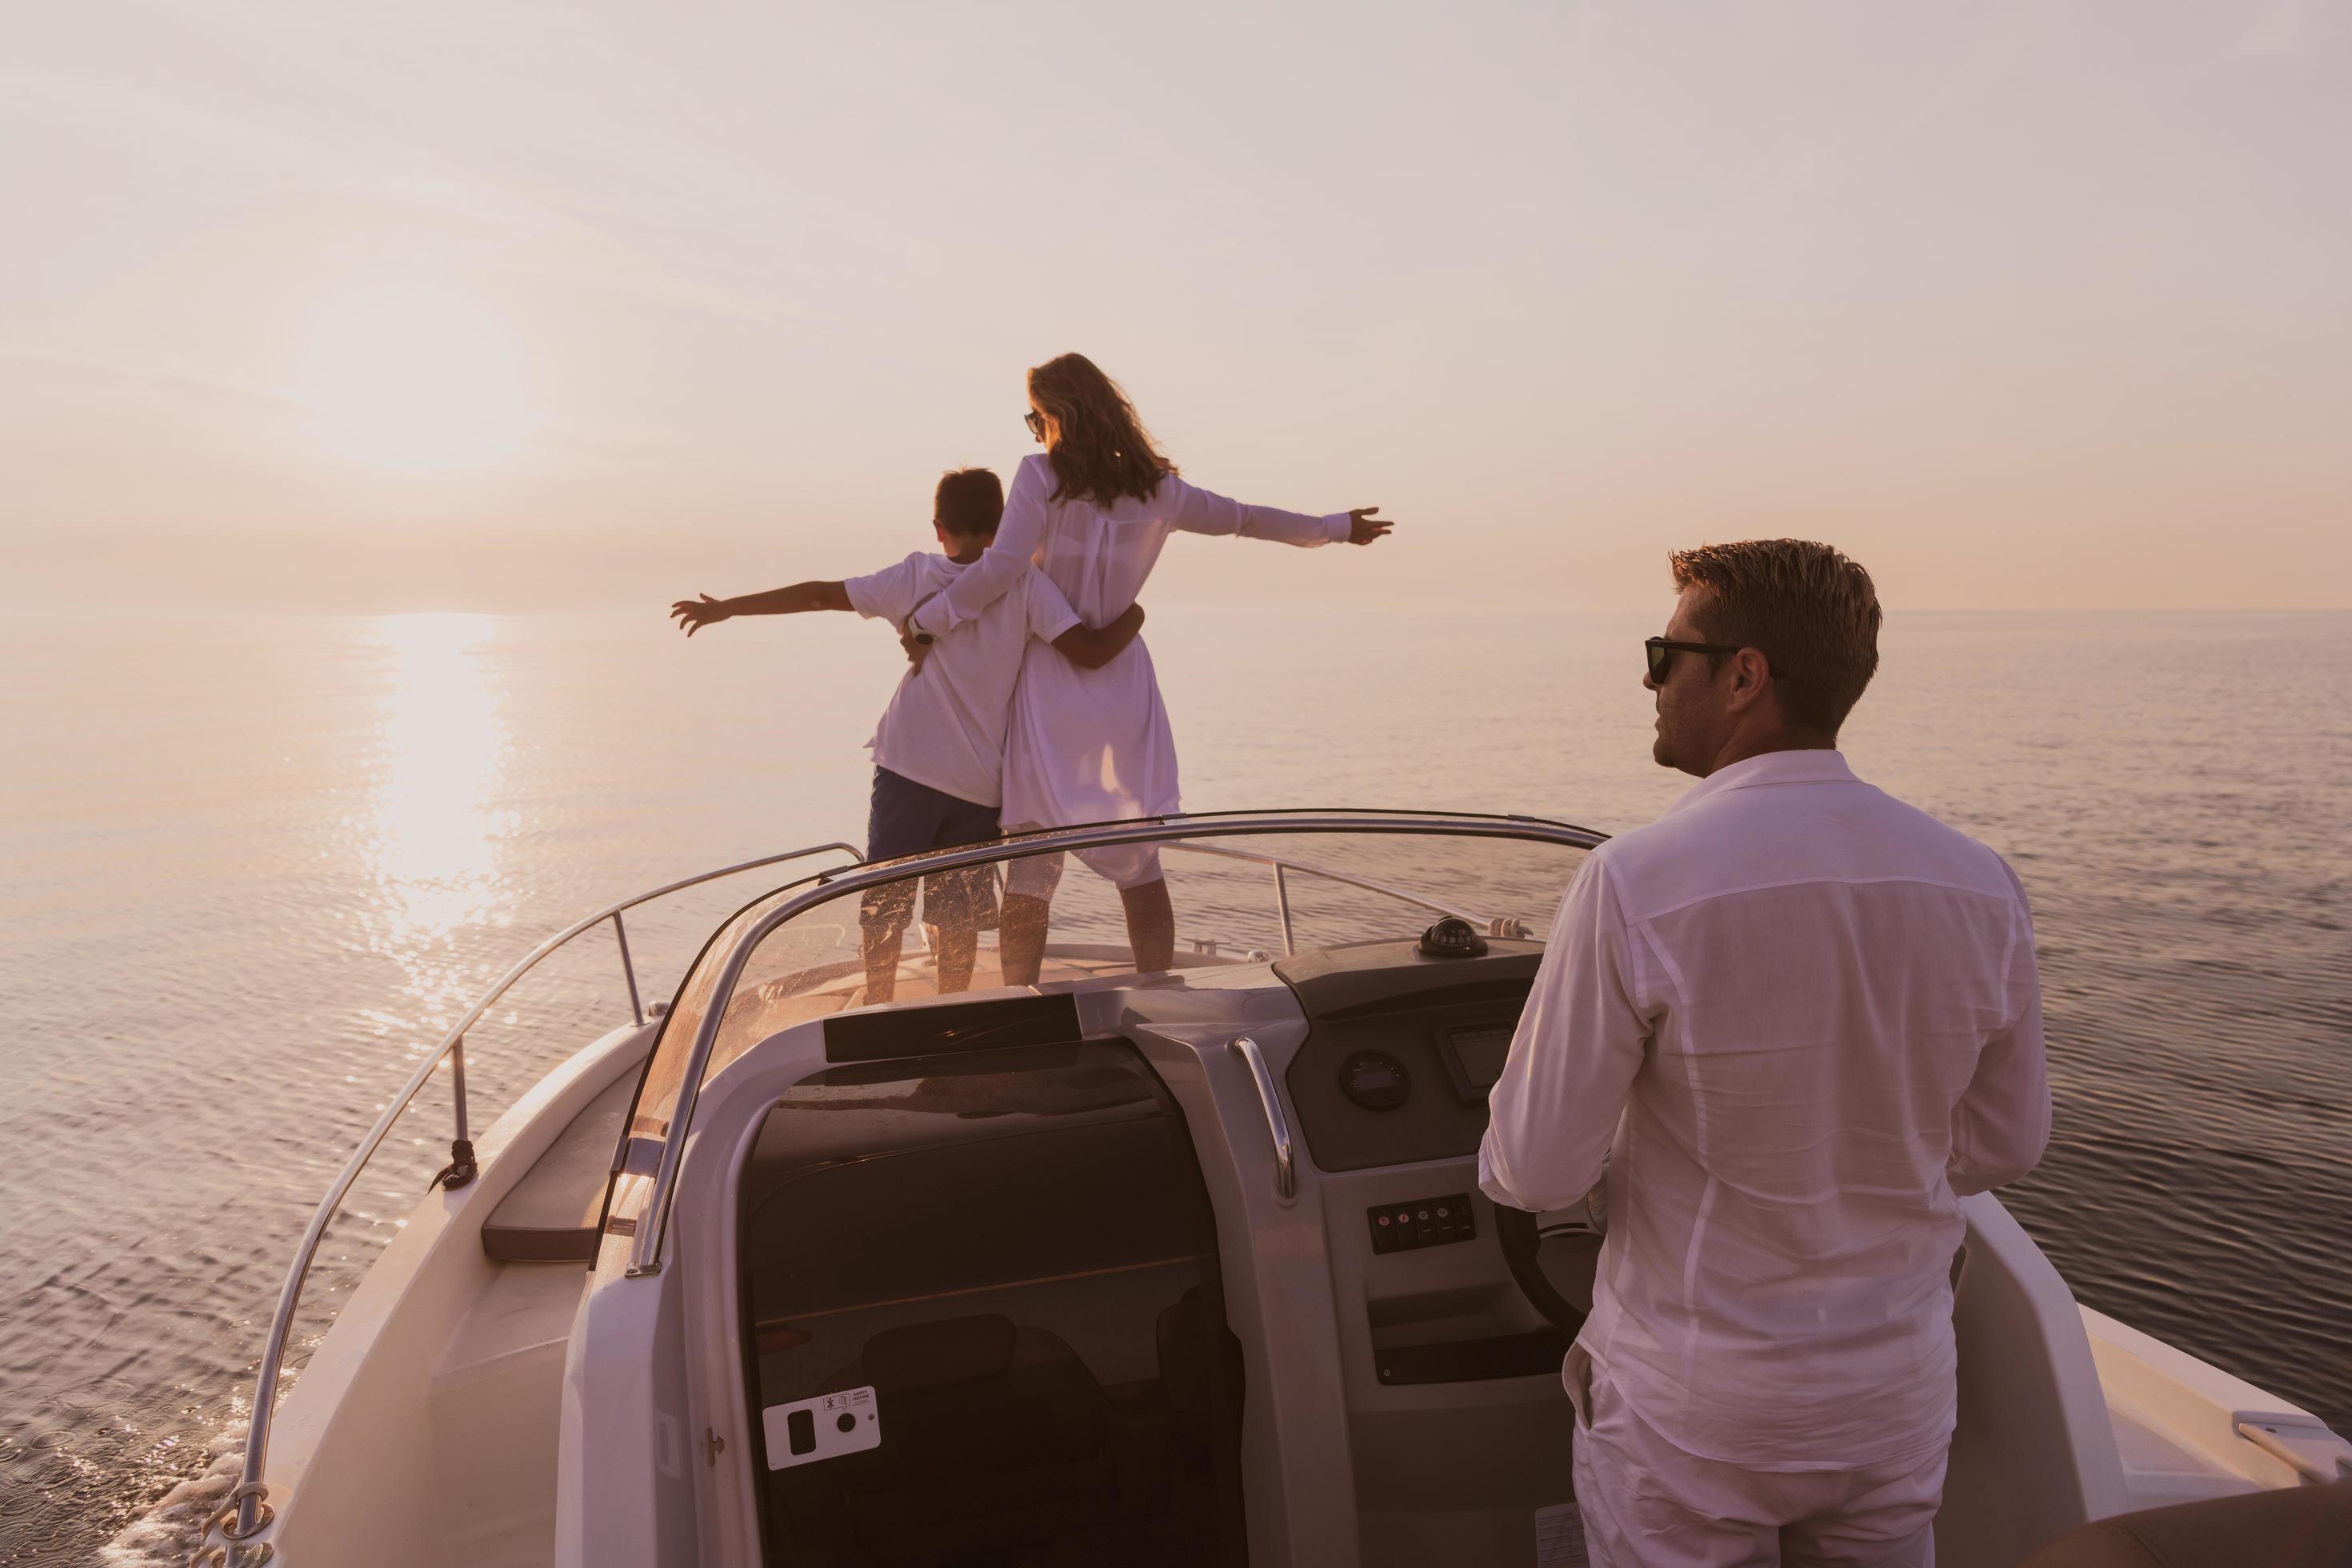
(1479, 1050)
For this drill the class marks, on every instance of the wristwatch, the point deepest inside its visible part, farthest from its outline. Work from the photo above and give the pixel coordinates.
(913, 633)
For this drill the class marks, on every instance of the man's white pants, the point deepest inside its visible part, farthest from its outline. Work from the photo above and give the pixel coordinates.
(1649, 1504)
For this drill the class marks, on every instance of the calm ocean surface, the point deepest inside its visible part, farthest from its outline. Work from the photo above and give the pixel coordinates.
(254, 866)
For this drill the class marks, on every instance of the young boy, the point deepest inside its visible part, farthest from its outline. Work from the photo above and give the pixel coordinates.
(939, 751)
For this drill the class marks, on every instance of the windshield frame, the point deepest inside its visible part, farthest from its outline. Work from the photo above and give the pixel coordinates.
(653, 1224)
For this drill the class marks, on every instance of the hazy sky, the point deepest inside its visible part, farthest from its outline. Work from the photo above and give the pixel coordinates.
(511, 306)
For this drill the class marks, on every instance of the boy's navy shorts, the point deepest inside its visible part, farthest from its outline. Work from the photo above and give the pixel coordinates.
(908, 819)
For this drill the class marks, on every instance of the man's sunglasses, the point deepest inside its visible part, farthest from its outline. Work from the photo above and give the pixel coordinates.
(1036, 423)
(1662, 653)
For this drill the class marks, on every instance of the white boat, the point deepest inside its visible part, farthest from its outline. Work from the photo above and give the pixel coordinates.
(1177, 1267)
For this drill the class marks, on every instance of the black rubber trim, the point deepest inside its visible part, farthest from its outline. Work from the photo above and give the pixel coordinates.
(574, 1244)
(922, 1031)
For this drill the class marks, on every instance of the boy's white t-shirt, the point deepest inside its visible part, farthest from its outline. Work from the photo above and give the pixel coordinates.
(945, 725)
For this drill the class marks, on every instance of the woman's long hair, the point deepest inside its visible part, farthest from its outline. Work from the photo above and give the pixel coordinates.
(1103, 451)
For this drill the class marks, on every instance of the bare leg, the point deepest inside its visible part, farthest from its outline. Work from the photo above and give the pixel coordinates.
(882, 944)
(1021, 938)
(955, 947)
(1150, 925)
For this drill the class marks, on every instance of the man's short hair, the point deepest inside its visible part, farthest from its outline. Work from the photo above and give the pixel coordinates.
(969, 502)
(1812, 613)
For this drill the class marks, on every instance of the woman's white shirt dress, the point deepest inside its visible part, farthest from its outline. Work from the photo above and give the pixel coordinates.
(1093, 745)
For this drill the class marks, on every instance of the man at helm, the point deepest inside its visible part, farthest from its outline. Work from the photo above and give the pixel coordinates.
(1798, 1019)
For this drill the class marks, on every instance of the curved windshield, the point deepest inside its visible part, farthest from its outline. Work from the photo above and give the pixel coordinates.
(1238, 894)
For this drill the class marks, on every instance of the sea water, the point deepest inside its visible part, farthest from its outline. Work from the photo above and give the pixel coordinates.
(254, 866)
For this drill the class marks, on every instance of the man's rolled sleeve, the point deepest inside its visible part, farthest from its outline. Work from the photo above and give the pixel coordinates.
(1554, 1111)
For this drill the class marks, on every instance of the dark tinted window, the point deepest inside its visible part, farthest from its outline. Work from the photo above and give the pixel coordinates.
(1013, 1250)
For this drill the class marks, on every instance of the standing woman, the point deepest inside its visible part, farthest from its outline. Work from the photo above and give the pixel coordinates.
(1093, 745)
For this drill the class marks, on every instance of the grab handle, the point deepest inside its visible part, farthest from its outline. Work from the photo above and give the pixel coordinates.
(1277, 1126)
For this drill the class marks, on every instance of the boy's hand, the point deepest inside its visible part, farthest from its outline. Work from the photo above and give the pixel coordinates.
(696, 614)
(1363, 527)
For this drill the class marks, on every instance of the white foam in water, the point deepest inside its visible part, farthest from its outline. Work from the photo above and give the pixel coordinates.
(169, 1531)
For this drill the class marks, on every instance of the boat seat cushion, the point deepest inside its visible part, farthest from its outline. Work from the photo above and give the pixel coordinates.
(922, 1355)
(551, 1216)
(2299, 1527)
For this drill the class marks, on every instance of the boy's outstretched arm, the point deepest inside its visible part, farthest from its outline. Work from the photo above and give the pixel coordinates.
(1091, 647)
(696, 614)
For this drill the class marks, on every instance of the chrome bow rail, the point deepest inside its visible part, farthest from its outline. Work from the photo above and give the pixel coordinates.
(251, 1511)
(1282, 867)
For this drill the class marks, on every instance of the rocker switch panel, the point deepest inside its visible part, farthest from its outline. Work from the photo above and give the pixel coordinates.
(1423, 1222)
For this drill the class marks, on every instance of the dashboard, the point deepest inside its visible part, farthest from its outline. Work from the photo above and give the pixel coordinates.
(1401, 1047)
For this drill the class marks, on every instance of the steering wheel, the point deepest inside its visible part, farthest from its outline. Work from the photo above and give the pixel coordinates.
(1517, 1231)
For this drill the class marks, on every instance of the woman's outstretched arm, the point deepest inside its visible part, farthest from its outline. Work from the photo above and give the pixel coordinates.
(1000, 566)
(1205, 511)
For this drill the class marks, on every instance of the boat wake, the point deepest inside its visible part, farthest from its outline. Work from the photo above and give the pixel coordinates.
(168, 1535)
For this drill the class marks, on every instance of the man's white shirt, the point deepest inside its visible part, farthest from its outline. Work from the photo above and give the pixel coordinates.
(945, 725)
(1798, 1018)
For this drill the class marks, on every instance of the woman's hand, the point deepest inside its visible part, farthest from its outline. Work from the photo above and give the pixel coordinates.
(696, 614)
(918, 646)
(1363, 527)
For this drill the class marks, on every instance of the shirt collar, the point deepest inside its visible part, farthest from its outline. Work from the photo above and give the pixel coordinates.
(1813, 766)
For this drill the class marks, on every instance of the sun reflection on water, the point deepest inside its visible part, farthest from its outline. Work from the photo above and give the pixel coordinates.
(444, 749)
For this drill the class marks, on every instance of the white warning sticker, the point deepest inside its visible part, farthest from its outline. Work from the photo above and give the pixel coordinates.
(824, 1427)
(1559, 1537)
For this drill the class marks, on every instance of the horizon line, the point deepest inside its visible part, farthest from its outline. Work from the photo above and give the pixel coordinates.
(49, 608)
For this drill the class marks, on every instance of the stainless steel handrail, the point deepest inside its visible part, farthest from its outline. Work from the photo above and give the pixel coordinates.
(249, 1492)
(653, 1224)
(1286, 1173)
(628, 966)
(1282, 889)
(1282, 908)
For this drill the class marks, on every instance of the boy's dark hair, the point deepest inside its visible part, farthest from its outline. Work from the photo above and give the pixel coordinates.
(969, 502)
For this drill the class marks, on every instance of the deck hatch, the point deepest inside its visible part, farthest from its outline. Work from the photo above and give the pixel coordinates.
(1013, 1249)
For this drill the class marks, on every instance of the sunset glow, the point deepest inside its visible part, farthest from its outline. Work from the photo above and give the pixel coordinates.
(444, 750)
(416, 381)
(2023, 305)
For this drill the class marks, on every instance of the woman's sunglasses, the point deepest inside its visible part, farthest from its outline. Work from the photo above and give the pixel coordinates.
(1036, 423)
(1662, 653)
